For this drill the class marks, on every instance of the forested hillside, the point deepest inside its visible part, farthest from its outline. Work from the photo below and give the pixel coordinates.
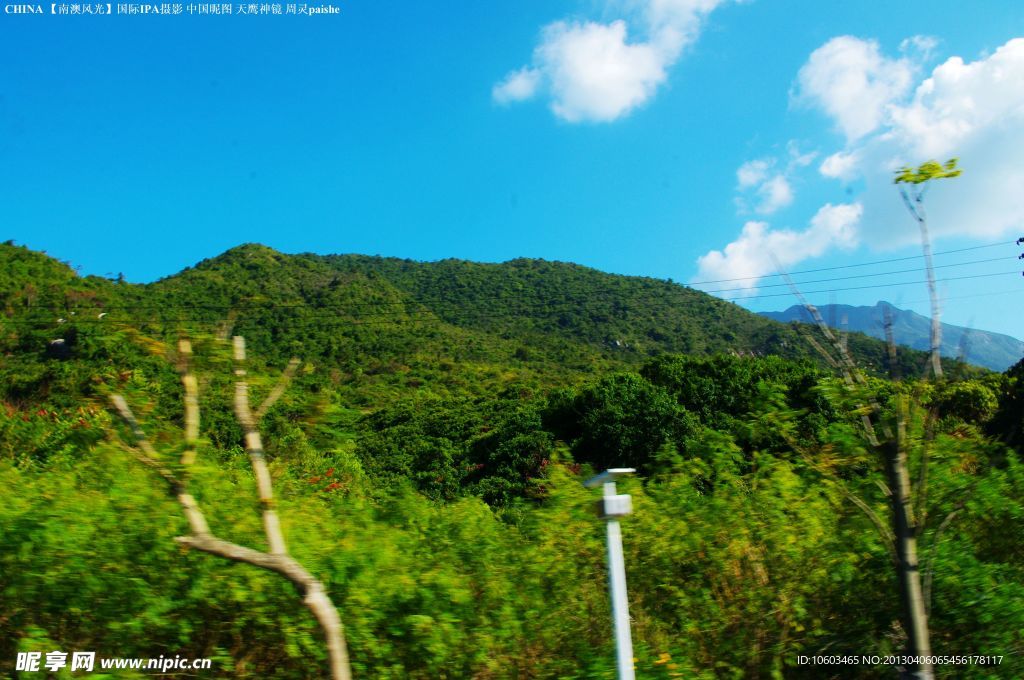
(378, 323)
(428, 457)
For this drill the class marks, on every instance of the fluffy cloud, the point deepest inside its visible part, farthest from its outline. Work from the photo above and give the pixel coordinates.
(840, 165)
(518, 85)
(752, 173)
(593, 72)
(852, 82)
(750, 255)
(764, 183)
(971, 110)
(960, 102)
(765, 193)
(775, 194)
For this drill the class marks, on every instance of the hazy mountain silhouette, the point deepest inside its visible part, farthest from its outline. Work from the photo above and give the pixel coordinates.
(991, 350)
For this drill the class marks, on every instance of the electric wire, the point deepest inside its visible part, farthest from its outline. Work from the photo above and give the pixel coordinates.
(850, 266)
(880, 285)
(864, 276)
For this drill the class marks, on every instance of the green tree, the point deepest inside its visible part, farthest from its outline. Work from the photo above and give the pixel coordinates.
(913, 185)
(619, 421)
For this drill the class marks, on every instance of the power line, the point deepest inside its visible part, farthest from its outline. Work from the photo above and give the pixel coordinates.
(864, 276)
(882, 285)
(850, 266)
(965, 297)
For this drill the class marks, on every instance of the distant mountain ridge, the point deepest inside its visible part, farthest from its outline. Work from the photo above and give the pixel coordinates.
(983, 348)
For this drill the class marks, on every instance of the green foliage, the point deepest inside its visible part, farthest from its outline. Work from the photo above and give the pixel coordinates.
(493, 449)
(927, 171)
(584, 319)
(619, 421)
(511, 456)
(31, 437)
(723, 388)
(979, 578)
(1009, 417)
(969, 401)
(428, 471)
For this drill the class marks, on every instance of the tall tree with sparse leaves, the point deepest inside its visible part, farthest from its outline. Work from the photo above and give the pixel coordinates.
(913, 185)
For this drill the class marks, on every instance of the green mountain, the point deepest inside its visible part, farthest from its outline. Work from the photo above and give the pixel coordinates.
(427, 461)
(624, 320)
(385, 325)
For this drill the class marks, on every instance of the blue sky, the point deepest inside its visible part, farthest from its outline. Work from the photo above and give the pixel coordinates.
(682, 139)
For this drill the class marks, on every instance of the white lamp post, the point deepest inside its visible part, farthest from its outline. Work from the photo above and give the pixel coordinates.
(611, 507)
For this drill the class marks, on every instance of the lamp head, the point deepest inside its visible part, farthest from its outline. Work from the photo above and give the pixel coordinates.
(607, 476)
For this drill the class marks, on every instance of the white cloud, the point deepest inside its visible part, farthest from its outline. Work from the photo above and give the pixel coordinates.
(593, 72)
(752, 173)
(798, 159)
(840, 165)
(771, 188)
(971, 110)
(750, 255)
(852, 82)
(516, 86)
(921, 46)
(674, 24)
(775, 194)
(960, 100)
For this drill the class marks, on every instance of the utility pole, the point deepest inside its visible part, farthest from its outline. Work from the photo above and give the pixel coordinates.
(612, 506)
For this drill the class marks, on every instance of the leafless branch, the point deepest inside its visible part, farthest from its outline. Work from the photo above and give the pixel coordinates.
(893, 450)
(277, 560)
(226, 325)
(191, 386)
(316, 597)
(844, 333)
(143, 451)
(254, 446)
(851, 374)
(917, 211)
(279, 388)
(921, 495)
(929, 571)
(890, 344)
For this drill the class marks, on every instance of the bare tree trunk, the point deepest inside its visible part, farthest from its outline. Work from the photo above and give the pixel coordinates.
(915, 619)
(277, 560)
(315, 595)
(893, 449)
(933, 294)
(914, 604)
(916, 208)
(930, 570)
